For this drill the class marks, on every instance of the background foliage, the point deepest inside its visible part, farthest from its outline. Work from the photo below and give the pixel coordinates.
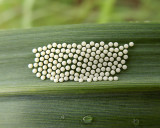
(33, 13)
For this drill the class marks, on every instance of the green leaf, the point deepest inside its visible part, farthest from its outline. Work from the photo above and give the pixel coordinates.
(143, 64)
(116, 110)
(133, 101)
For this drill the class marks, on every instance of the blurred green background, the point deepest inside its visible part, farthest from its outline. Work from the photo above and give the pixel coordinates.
(33, 13)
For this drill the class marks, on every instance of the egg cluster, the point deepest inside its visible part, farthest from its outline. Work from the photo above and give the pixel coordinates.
(80, 62)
